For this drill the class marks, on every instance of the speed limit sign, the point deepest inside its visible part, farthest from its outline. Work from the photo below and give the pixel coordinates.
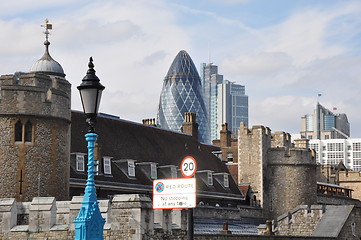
(188, 167)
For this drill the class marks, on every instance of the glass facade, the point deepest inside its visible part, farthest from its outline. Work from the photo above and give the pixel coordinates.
(324, 124)
(225, 101)
(182, 92)
(329, 123)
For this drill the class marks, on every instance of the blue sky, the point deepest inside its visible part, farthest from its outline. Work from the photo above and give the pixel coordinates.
(284, 52)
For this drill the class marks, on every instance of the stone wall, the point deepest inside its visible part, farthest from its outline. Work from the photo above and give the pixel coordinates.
(38, 165)
(256, 237)
(337, 200)
(339, 222)
(210, 212)
(281, 176)
(351, 179)
(291, 175)
(252, 152)
(127, 216)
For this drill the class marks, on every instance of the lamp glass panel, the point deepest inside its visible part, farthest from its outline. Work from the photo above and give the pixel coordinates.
(89, 101)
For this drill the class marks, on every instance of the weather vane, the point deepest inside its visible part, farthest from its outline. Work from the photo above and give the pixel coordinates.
(47, 26)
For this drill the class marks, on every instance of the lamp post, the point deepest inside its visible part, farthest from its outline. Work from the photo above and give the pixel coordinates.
(89, 223)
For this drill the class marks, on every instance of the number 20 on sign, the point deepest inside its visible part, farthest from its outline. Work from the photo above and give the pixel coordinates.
(188, 167)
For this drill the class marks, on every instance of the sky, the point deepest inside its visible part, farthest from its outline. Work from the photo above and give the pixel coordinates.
(284, 52)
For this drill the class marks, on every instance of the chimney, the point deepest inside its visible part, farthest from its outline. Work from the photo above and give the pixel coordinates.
(190, 125)
(149, 121)
(225, 136)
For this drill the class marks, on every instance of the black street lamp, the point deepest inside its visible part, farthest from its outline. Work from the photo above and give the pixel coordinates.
(90, 93)
(89, 224)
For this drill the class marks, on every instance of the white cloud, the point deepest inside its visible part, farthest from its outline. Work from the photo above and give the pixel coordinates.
(261, 64)
(284, 66)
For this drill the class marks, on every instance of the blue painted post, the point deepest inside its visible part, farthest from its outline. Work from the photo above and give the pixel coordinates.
(89, 224)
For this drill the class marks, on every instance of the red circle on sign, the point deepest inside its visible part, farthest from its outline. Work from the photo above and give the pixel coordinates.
(188, 167)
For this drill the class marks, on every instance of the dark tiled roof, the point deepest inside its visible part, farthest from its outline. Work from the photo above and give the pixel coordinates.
(121, 139)
(246, 226)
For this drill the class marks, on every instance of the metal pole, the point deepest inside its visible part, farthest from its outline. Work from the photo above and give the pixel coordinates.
(89, 223)
(190, 224)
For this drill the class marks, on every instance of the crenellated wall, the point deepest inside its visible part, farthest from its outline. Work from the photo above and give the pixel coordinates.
(281, 176)
(127, 216)
(35, 139)
(338, 222)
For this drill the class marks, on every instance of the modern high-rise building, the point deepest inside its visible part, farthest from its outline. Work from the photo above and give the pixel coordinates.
(226, 102)
(182, 92)
(334, 151)
(324, 124)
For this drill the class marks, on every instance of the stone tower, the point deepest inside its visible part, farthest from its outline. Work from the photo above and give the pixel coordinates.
(35, 131)
(282, 176)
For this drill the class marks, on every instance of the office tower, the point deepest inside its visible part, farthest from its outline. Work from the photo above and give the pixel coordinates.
(324, 124)
(232, 106)
(225, 101)
(182, 92)
(334, 151)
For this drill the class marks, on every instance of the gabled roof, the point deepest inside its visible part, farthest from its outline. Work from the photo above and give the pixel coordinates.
(121, 140)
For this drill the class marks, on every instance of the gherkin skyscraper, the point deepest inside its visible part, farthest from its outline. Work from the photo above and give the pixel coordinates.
(182, 92)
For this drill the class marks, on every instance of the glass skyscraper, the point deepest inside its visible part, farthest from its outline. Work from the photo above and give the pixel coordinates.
(226, 102)
(182, 92)
(324, 124)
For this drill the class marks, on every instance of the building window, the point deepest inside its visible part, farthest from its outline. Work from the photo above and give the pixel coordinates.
(18, 131)
(356, 146)
(80, 163)
(153, 171)
(107, 165)
(230, 156)
(23, 133)
(131, 169)
(226, 181)
(96, 167)
(209, 179)
(28, 132)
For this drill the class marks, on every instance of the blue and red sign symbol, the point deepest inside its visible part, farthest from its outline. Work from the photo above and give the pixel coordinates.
(159, 187)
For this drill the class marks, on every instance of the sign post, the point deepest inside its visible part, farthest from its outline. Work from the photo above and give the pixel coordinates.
(178, 192)
(188, 169)
(175, 193)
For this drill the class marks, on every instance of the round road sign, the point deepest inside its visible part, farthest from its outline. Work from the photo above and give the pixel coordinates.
(188, 167)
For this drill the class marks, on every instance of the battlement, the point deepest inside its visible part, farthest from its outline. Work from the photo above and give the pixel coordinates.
(349, 175)
(35, 94)
(128, 216)
(291, 156)
(281, 139)
(257, 129)
(313, 220)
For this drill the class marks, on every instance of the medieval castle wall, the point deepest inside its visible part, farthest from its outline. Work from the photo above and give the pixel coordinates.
(35, 139)
(291, 178)
(282, 176)
(252, 151)
(351, 179)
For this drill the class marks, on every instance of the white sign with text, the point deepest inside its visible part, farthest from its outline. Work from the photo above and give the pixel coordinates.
(174, 193)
